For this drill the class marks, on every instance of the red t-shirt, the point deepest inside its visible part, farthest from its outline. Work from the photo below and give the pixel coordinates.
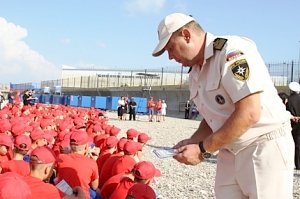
(110, 185)
(40, 189)
(77, 170)
(151, 104)
(4, 158)
(102, 159)
(122, 189)
(123, 164)
(18, 166)
(106, 169)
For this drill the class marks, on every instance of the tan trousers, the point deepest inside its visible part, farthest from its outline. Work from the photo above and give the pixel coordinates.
(263, 170)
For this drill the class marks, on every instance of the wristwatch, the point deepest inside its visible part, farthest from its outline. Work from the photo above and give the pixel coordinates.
(204, 153)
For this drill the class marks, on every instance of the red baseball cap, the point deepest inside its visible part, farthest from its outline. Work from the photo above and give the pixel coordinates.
(131, 147)
(132, 133)
(143, 138)
(5, 125)
(42, 155)
(114, 131)
(79, 138)
(23, 142)
(111, 141)
(13, 186)
(37, 134)
(121, 143)
(145, 170)
(6, 140)
(141, 191)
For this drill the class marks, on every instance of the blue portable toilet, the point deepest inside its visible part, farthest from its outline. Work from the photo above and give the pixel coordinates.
(141, 104)
(72, 100)
(101, 102)
(112, 103)
(85, 101)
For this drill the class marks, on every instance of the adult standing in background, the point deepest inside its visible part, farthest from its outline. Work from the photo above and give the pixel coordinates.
(231, 86)
(293, 105)
(132, 107)
(187, 108)
(27, 97)
(151, 106)
(1, 99)
(10, 97)
(120, 109)
(163, 109)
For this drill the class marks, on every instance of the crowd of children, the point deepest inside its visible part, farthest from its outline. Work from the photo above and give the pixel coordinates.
(43, 148)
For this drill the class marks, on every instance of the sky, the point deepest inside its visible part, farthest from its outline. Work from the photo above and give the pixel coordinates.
(38, 37)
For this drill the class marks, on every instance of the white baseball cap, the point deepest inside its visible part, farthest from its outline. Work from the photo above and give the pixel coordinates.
(167, 26)
(294, 86)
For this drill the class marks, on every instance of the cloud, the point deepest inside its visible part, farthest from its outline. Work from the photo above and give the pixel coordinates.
(143, 6)
(18, 62)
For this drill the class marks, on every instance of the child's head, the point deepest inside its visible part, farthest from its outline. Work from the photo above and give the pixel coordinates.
(3, 149)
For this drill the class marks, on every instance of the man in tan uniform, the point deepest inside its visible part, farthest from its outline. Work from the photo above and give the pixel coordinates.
(244, 119)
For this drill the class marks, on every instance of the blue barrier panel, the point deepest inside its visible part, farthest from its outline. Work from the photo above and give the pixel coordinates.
(57, 99)
(141, 104)
(93, 101)
(72, 100)
(100, 102)
(85, 101)
(46, 99)
(112, 103)
(38, 98)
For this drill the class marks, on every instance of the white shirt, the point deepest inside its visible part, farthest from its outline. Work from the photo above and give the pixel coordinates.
(227, 76)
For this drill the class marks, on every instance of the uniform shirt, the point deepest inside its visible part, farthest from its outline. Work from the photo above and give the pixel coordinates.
(102, 159)
(110, 185)
(106, 169)
(123, 164)
(229, 74)
(4, 158)
(122, 189)
(40, 189)
(77, 170)
(18, 166)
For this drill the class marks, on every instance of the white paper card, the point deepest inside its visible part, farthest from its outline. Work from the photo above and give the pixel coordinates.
(65, 187)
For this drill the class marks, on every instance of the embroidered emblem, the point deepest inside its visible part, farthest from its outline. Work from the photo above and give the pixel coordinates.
(233, 55)
(219, 43)
(220, 99)
(240, 69)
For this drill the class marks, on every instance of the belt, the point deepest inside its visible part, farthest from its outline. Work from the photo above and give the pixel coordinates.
(276, 133)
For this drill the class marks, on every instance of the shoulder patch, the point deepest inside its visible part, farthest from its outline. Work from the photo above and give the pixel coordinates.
(240, 69)
(219, 43)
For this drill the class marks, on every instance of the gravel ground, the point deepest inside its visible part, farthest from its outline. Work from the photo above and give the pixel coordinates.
(178, 181)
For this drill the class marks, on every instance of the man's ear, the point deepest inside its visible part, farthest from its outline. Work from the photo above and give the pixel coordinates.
(185, 33)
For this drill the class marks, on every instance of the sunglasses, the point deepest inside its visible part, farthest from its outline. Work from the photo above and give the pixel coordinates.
(23, 146)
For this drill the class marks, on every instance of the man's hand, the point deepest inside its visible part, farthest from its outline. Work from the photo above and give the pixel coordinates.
(184, 142)
(189, 154)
